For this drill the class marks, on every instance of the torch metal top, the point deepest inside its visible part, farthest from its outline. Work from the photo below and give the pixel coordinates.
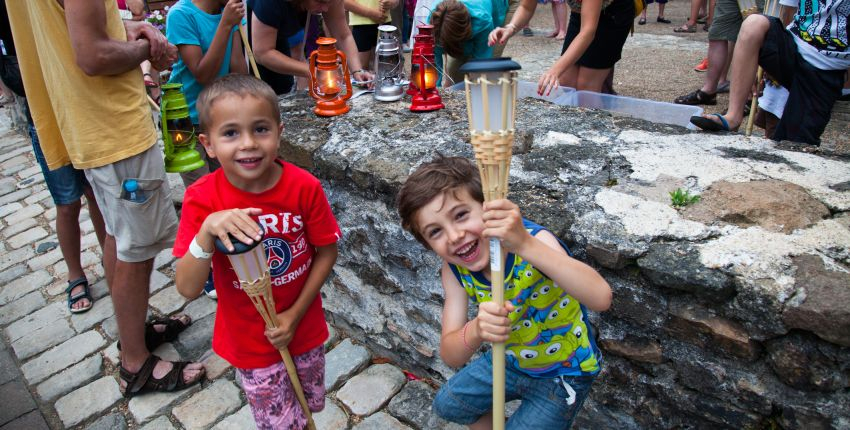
(484, 65)
(238, 246)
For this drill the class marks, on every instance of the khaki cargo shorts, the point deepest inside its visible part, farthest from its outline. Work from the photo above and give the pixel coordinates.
(141, 228)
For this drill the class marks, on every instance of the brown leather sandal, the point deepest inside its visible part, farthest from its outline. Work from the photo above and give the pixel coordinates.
(174, 325)
(143, 381)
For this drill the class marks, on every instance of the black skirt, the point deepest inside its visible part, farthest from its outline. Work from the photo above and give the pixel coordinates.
(615, 24)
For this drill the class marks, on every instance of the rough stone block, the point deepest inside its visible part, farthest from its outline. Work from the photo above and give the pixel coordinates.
(241, 420)
(330, 418)
(678, 266)
(15, 196)
(8, 367)
(59, 357)
(381, 381)
(699, 326)
(74, 376)
(41, 195)
(32, 420)
(20, 307)
(44, 260)
(27, 237)
(113, 421)
(30, 171)
(17, 401)
(634, 348)
(163, 258)
(804, 362)
(207, 406)
(12, 273)
(87, 401)
(101, 310)
(111, 353)
(161, 423)
(822, 305)
(167, 301)
(343, 361)
(197, 338)
(380, 421)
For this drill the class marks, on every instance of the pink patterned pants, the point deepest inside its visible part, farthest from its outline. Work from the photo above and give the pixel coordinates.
(272, 399)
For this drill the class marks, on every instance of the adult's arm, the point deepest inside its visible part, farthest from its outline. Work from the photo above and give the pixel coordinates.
(264, 40)
(337, 24)
(376, 15)
(590, 11)
(521, 18)
(238, 63)
(205, 66)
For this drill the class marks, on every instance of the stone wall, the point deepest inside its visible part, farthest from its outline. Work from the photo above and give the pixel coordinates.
(731, 313)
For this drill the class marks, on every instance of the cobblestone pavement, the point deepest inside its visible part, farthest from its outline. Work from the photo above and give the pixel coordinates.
(58, 370)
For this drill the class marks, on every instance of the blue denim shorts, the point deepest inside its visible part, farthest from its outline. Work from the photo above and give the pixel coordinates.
(66, 184)
(547, 403)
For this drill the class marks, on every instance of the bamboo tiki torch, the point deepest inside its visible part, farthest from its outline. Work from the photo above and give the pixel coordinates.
(249, 263)
(248, 50)
(491, 86)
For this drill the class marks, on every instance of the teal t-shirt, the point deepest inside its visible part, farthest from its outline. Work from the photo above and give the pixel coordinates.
(188, 25)
(550, 335)
(485, 15)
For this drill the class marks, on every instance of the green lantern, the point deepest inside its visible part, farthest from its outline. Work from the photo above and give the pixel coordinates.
(178, 132)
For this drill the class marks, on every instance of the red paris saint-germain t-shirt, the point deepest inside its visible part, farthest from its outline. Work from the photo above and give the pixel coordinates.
(296, 218)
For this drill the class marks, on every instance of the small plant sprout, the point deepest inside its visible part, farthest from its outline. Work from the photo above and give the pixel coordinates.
(681, 198)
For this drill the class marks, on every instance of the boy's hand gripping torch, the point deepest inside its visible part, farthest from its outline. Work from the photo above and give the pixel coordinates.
(491, 91)
(249, 263)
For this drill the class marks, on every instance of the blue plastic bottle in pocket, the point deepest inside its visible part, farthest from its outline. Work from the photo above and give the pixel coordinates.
(134, 193)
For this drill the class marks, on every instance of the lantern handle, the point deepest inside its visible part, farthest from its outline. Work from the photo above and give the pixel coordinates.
(345, 74)
(313, 56)
(166, 139)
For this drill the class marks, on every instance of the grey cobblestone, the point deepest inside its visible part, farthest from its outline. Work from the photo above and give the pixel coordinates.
(42, 318)
(41, 195)
(158, 280)
(215, 365)
(380, 421)
(27, 237)
(331, 418)
(15, 196)
(10, 208)
(161, 423)
(342, 362)
(18, 227)
(144, 408)
(88, 241)
(30, 211)
(163, 258)
(241, 420)
(17, 288)
(72, 377)
(200, 307)
(5, 156)
(113, 421)
(87, 401)
(101, 310)
(45, 260)
(12, 273)
(207, 406)
(30, 171)
(58, 358)
(7, 185)
(381, 381)
(42, 338)
(167, 301)
(16, 401)
(15, 161)
(9, 259)
(50, 214)
(30, 421)
(87, 259)
(21, 307)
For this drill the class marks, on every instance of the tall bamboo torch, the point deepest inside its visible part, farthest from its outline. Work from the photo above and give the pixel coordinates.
(249, 263)
(491, 92)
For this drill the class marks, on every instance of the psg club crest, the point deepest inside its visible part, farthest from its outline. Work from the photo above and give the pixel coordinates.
(278, 255)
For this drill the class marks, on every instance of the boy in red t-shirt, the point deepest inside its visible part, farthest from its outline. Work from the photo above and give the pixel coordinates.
(255, 196)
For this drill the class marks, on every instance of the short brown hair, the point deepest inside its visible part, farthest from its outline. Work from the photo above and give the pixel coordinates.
(240, 85)
(438, 176)
(452, 26)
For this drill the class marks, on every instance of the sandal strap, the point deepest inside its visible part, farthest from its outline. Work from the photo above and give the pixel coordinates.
(143, 380)
(136, 381)
(79, 281)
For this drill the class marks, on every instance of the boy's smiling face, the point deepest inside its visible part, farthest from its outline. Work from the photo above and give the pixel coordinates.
(244, 135)
(451, 223)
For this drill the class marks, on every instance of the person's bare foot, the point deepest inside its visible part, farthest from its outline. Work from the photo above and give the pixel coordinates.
(561, 36)
(552, 34)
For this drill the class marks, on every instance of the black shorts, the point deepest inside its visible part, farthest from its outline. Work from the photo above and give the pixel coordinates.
(615, 23)
(365, 36)
(812, 91)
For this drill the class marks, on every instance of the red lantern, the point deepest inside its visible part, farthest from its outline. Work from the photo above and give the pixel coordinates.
(328, 76)
(423, 73)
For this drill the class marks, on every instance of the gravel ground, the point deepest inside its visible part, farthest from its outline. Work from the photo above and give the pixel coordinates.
(657, 64)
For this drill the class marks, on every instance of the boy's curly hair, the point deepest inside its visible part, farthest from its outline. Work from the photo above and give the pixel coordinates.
(240, 85)
(452, 26)
(439, 176)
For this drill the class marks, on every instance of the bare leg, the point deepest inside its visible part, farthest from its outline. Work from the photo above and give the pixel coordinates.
(569, 78)
(95, 216)
(483, 423)
(724, 73)
(591, 79)
(562, 20)
(68, 233)
(717, 51)
(661, 7)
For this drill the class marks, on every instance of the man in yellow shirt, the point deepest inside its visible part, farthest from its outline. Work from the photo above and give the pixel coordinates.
(80, 65)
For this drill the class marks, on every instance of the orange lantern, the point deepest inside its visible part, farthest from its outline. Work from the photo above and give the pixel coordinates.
(328, 77)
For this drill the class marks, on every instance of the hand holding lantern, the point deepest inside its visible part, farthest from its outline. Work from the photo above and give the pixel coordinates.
(328, 76)
(178, 132)
(251, 267)
(491, 91)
